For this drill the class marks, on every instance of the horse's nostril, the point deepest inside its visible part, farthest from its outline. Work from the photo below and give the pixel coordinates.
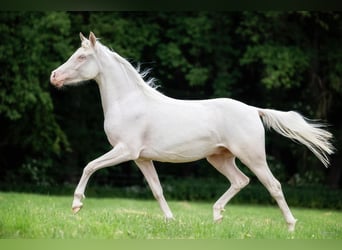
(53, 76)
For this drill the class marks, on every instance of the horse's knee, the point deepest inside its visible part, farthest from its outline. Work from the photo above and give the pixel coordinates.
(89, 169)
(275, 189)
(244, 182)
(240, 184)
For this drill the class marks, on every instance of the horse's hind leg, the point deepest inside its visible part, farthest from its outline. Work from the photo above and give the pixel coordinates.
(274, 187)
(225, 164)
(259, 167)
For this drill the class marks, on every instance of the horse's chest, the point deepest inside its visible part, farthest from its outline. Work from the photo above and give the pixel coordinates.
(122, 127)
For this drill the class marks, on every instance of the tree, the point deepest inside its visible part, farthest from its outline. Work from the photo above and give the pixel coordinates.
(30, 133)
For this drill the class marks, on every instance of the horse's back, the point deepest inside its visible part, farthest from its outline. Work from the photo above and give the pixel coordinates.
(190, 130)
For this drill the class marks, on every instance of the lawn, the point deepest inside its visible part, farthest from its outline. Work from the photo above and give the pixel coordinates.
(49, 217)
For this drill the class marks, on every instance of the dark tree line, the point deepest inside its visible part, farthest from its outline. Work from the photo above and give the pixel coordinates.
(281, 60)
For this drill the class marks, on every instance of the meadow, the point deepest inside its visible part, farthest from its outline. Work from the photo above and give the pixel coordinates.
(33, 216)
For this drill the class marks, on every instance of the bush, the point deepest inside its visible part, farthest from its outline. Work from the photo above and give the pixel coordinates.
(195, 189)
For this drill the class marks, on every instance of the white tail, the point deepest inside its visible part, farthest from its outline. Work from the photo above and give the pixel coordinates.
(294, 126)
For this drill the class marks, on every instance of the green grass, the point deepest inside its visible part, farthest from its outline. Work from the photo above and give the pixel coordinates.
(50, 217)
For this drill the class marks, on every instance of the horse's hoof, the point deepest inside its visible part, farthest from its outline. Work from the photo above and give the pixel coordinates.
(218, 214)
(169, 219)
(218, 220)
(291, 226)
(75, 210)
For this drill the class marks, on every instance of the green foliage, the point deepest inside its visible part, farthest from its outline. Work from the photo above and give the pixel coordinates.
(26, 107)
(171, 56)
(283, 65)
(128, 33)
(197, 76)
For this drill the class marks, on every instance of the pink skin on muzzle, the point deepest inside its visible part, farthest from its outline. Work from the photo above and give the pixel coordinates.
(57, 79)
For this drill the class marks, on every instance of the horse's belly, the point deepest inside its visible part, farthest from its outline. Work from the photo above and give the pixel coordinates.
(174, 156)
(181, 150)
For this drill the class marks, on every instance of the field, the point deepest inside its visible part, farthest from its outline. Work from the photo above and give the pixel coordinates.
(30, 216)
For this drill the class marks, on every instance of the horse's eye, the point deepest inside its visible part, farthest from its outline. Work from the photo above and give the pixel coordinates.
(81, 57)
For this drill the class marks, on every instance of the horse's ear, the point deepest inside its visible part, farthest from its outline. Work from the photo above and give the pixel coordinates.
(92, 39)
(82, 37)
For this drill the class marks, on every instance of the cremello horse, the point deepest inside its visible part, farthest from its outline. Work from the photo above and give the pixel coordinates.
(144, 125)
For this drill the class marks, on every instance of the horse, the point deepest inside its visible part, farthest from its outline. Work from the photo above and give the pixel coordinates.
(144, 125)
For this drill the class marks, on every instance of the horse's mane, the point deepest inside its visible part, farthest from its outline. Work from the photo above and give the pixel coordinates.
(149, 86)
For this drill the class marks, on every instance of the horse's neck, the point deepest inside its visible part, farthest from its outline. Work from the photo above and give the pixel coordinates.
(116, 86)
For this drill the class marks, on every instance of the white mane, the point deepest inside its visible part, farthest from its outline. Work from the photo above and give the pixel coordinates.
(149, 87)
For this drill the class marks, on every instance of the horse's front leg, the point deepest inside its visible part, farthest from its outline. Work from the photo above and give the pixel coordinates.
(150, 173)
(120, 153)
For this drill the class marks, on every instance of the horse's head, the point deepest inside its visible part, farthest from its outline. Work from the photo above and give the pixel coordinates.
(81, 66)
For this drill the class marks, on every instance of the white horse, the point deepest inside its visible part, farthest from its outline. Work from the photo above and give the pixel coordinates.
(144, 125)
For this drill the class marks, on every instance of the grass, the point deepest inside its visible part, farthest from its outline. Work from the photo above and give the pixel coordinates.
(49, 217)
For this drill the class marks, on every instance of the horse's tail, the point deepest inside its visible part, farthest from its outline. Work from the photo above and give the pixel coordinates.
(296, 127)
